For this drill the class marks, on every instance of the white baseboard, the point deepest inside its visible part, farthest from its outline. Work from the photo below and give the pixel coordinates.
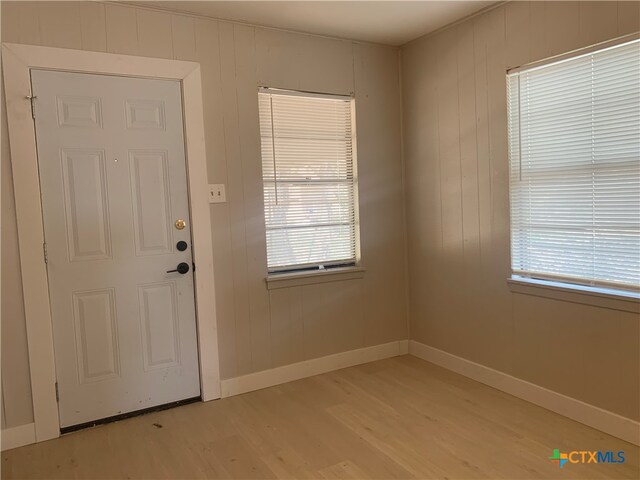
(308, 368)
(608, 422)
(15, 437)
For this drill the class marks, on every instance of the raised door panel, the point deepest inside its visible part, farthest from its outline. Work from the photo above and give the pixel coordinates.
(149, 172)
(86, 205)
(75, 111)
(145, 114)
(96, 331)
(159, 320)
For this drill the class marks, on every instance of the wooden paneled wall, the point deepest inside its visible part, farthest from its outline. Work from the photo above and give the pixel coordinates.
(258, 328)
(455, 145)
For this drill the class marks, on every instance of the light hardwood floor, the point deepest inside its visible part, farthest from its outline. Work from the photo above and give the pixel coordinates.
(396, 418)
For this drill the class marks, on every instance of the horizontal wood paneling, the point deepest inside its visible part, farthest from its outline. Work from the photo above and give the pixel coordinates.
(258, 329)
(455, 141)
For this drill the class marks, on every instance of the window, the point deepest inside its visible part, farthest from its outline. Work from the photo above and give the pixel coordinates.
(309, 180)
(574, 148)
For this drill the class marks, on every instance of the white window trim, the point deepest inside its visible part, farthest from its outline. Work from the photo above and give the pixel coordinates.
(612, 299)
(312, 277)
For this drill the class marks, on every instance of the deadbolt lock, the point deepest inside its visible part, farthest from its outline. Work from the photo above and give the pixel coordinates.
(180, 224)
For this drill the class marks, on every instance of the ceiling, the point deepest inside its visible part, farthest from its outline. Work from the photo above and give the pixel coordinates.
(387, 22)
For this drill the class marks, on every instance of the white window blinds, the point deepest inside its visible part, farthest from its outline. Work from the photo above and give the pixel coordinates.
(309, 181)
(574, 131)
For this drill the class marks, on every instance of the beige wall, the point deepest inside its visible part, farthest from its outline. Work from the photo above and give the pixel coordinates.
(457, 206)
(455, 144)
(258, 328)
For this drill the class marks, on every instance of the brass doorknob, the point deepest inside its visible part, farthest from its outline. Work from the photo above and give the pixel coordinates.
(180, 224)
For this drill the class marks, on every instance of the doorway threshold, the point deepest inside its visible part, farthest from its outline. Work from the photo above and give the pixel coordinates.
(123, 416)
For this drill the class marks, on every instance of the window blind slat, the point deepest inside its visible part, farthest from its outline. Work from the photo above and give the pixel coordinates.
(308, 177)
(574, 154)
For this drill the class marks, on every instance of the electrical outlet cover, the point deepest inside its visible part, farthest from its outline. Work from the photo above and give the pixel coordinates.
(217, 193)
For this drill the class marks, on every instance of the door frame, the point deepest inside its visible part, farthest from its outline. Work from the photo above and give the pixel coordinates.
(17, 61)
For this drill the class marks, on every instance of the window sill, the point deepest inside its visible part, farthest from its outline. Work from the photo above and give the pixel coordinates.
(596, 296)
(295, 279)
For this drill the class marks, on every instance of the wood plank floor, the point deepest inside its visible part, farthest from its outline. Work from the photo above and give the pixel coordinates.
(396, 418)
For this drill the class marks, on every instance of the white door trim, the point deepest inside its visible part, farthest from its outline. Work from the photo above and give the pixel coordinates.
(17, 60)
(14, 437)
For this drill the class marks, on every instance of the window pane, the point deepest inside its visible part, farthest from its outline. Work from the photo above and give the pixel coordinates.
(574, 148)
(308, 176)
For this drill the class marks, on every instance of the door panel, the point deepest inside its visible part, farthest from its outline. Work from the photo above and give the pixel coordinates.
(159, 316)
(76, 111)
(145, 114)
(94, 316)
(113, 181)
(151, 201)
(86, 207)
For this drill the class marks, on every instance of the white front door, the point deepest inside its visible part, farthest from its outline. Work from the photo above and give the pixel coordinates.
(114, 193)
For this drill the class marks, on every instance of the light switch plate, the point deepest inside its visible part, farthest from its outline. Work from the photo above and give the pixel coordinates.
(217, 193)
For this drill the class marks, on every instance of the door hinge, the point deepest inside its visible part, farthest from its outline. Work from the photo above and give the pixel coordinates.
(57, 393)
(32, 99)
(44, 251)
